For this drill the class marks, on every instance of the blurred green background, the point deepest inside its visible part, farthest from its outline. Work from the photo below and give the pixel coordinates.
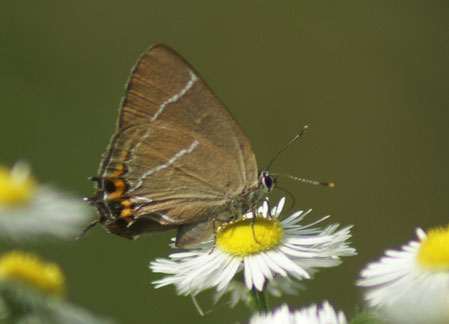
(370, 78)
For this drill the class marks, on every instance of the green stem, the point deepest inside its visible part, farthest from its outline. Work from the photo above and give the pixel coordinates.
(259, 300)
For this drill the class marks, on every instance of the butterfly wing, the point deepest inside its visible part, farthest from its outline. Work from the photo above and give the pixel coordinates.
(178, 155)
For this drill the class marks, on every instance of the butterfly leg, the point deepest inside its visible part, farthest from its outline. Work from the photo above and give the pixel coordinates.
(253, 220)
(88, 227)
(269, 209)
(215, 237)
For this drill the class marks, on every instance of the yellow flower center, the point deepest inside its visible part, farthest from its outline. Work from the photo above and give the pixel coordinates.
(249, 236)
(434, 250)
(32, 271)
(16, 184)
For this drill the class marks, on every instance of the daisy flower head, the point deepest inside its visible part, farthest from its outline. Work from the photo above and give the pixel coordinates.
(30, 270)
(30, 211)
(411, 285)
(17, 185)
(32, 289)
(261, 248)
(313, 314)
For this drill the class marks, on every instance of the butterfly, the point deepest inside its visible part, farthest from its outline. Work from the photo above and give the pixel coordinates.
(178, 160)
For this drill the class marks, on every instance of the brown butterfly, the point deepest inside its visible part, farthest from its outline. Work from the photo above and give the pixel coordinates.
(178, 158)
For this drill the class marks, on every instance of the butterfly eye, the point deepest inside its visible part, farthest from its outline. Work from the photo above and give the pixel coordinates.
(268, 181)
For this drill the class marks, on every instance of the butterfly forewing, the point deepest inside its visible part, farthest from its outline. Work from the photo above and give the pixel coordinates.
(163, 87)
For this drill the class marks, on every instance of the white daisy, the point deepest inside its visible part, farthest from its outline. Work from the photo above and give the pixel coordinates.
(308, 315)
(411, 285)
(32, 289)
(262, 248)
(30, 270)
(32, 211)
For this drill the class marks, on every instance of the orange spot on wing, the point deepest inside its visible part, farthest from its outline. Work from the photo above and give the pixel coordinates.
(119, 170)
(126, 203)
(119, 188)
(119, 167)
(126, 213)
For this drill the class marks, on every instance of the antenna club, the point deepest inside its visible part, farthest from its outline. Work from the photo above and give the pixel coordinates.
(306, 127)
(331, 185)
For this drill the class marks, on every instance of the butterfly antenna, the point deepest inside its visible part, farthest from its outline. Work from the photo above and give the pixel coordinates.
(286, 146)
(309, 181)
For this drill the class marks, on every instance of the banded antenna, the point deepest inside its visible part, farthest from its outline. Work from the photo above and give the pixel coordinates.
(309, 181)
